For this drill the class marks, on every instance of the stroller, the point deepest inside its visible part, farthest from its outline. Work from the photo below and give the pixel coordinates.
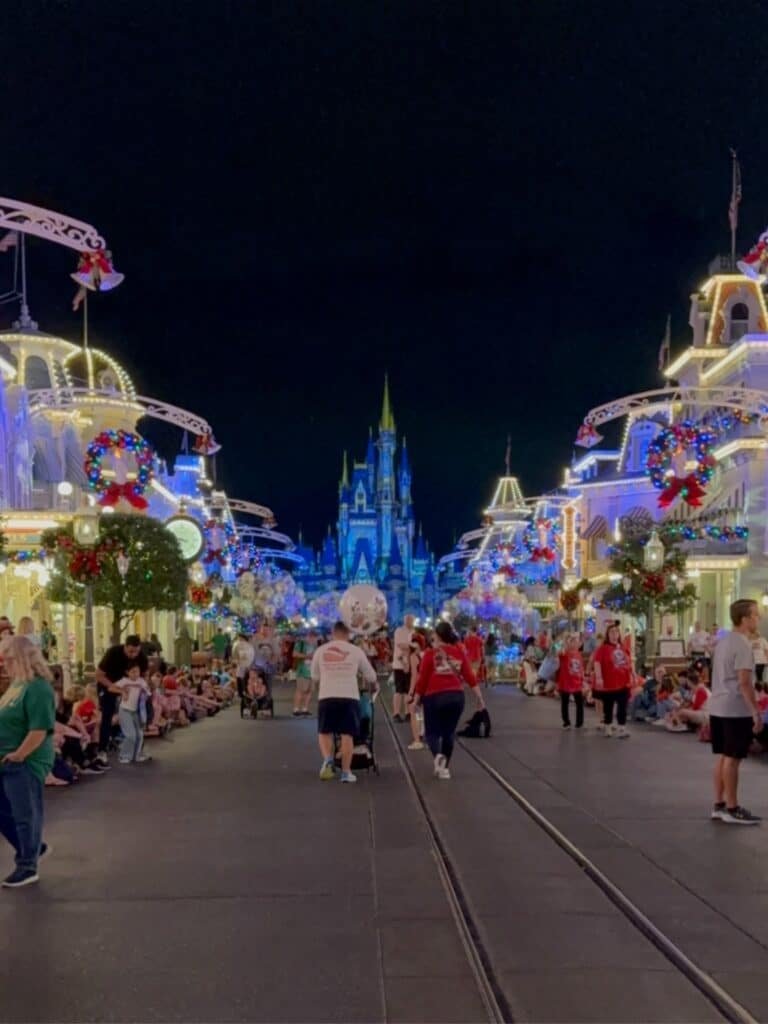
(363, 756)
(258, 707)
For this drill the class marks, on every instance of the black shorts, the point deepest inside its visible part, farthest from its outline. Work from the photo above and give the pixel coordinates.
(338, 715)
(402, 680)
(731, 737)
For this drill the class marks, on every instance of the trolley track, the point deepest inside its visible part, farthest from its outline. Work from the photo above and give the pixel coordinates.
(727, 1006)
(491, 993)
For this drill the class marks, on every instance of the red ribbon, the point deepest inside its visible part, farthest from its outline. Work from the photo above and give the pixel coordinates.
(114, 492)
(542, 555)
(214, 555)
(686, 487)
(90, 261)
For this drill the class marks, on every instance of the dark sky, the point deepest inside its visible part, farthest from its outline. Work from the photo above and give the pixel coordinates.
(498, 203)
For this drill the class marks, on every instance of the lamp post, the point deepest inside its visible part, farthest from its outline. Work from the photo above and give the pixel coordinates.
(85, 524)
(653, 562)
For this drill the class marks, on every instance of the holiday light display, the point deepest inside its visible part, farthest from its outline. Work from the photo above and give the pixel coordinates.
(536, 539)
(220, 543)
(119, 443)
(673, 443)
(325, 608)
(710, 531)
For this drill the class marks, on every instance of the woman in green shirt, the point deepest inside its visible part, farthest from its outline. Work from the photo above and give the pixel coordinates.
(27, 716)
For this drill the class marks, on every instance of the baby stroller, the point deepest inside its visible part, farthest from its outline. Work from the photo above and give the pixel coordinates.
(258, 707)
(363, 756)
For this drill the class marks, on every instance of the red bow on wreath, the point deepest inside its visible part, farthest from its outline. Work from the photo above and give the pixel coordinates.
(114, 492)
(542, 555)
(686, 487)
(654, 583)
(214, 555)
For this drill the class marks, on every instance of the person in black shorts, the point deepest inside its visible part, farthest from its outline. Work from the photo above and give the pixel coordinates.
(401, 664)
(734, 715)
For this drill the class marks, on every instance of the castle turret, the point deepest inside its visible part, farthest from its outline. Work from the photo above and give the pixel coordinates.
(345, 500)
(370, 461)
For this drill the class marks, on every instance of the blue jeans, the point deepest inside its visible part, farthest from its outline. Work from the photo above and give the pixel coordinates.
(21, 813)
(133, 734)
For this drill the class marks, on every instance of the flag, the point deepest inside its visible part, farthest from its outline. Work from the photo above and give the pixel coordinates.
(9, 240)
(666, 346)
(733, 207)
(508, 454)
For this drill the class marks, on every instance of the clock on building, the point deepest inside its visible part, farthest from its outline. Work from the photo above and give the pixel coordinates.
(189, 534)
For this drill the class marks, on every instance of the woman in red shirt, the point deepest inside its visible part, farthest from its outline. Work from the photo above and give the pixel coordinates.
(613, 677)
(570, 680)
(440, 687)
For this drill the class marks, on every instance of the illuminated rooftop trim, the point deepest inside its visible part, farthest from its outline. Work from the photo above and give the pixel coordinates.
(748, 343)
(694, 352)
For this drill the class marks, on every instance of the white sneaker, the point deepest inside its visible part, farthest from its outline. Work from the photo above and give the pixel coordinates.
(443, 773)
(102, 758)
(610, 730)
(623, 732)
(416, 745)
(348, 777)
(440, 765)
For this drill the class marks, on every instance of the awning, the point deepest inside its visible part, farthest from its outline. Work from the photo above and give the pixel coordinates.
(597, 528)
(639, 516)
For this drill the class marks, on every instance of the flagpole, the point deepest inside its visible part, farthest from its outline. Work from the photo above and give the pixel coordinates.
(733, 218)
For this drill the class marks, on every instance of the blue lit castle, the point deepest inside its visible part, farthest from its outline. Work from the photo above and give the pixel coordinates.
(376, 537)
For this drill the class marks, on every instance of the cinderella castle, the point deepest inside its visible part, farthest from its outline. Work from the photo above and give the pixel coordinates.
(376, 537)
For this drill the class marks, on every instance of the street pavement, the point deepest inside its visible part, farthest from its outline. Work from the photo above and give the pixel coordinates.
(224, 882)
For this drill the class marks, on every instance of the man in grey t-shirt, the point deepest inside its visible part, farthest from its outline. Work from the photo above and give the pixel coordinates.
(734, 717)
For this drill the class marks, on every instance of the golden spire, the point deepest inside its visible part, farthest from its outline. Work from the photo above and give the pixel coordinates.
(387, 419)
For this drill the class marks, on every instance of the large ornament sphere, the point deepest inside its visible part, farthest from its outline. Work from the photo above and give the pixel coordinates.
(363, 608)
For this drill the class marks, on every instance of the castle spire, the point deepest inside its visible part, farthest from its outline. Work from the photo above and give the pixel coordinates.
(345, 471)
(387, 419)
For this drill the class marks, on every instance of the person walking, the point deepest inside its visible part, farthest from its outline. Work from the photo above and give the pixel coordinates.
(760, 654)
(401, 661)
(613, 679)
(27, 719)
(335, 667)
(303, 652)
(113, 667)
(734, 714)
(440, 687)
(570, 681)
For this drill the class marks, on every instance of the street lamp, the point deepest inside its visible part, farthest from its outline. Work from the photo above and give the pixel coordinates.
(85, 524)
(653, 562)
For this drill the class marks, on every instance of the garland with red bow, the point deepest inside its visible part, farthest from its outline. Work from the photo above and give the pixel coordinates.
(118, 442)
(535, 537)
(216, 553)
(85, 564)
(200, 596)
(676, 440)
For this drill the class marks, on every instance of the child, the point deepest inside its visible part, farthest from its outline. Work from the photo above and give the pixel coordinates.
(570, 681)
(156, 723)
(133, 692)
(258, 691)
(172, 699)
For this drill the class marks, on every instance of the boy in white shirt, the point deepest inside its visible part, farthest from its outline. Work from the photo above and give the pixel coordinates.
(133, 692)
(335, 668)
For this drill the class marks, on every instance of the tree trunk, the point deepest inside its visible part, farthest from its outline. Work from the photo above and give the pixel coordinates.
(116, 625)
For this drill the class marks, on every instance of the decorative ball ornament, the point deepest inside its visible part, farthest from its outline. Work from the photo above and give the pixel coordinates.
(119, 444)
(673, 443)
(363, 608)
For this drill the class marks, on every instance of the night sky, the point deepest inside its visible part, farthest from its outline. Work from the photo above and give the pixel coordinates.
(498, 204)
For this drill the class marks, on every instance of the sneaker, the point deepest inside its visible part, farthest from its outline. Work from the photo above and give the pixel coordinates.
(718, 812)
(739, 816)
(610, 730)
(623, 732)
(297, 713)
(327, 771)
(348, 777)
(94, 769)
(124, 760)
(416, 745)
(440, 764)
(20, 877)
(397, 718)
(102, 758)
(143, 758)
(566, 725)
(45, 850)
(443, 773)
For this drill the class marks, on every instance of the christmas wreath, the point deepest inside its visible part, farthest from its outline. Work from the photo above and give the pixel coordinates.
(119, 443)
(675, 441)
(85, 564)
(220, 542)
(536, 540)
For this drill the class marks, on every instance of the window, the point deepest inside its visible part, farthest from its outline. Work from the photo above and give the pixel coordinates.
(739, 321)
(36, 373)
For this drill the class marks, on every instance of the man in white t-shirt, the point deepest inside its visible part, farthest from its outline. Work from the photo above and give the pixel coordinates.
(401, 665)
(698, 644)
(335, 668)
(734, 716)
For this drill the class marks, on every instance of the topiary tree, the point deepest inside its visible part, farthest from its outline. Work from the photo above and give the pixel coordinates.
(156, 575)
(627, 561)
